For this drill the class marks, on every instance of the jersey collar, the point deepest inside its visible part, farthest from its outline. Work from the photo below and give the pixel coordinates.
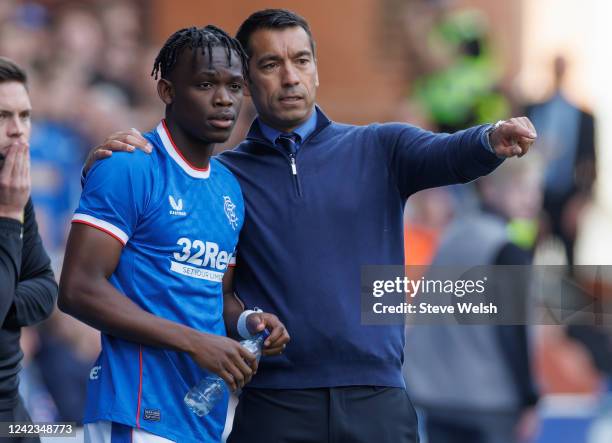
(177, 156)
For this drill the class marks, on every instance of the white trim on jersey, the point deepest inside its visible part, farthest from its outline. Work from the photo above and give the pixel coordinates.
(102, 225)
(174, 152)
(101, 432)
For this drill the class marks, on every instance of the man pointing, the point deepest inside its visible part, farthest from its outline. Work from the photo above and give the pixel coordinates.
(323, 199)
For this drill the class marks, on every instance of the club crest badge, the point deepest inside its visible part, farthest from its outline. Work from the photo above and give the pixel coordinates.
(230, 211)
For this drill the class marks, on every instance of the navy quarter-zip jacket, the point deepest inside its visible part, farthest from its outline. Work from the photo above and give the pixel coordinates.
(308, 230)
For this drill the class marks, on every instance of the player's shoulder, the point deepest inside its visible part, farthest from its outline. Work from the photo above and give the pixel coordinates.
(223, 171)
(154, 138)
(124, 167)
(124, 162)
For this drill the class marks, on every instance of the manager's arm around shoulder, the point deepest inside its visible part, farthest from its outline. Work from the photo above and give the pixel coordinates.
(121, 141)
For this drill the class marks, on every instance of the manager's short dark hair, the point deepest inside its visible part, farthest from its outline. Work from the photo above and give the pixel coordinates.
(271, 19)
(12, 72)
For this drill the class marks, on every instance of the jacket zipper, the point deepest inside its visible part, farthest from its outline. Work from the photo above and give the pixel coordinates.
(294, 173)
(292, 160)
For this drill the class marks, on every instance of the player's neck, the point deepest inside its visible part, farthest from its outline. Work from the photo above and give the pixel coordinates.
(195, 151)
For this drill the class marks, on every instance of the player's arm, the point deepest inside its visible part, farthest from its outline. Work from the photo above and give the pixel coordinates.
(85, 292)
(255, 322)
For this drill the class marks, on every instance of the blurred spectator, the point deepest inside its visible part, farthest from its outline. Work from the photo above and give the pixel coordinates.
(55, 180)
(574, 362)
(480, 389)
(87, 76)
(456, 72)
(24, 33)
(67, 349)
(567, 141)
(32, 389)
(122, 27)
(458, 79)
(78, 38)
(427, 215)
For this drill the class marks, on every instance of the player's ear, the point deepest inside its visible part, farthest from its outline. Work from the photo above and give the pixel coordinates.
(247, 89)
(165, 90)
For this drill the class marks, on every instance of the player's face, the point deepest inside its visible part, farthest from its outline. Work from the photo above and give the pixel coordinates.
(283, 76)
(15, 110)
(207, 95)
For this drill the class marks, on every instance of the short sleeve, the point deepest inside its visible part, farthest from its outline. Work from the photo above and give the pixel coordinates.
(232, 259)
(115, 194)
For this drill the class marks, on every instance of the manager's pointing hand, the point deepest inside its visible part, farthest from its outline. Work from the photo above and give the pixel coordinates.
(513, 137)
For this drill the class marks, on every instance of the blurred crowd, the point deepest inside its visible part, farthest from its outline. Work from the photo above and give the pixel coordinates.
(89, 69)
(87, 79)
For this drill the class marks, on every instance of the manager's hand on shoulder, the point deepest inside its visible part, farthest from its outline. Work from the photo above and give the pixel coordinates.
(513, 137)
(122, 141)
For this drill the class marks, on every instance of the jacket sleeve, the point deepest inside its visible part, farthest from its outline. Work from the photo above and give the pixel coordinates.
(420, 159)
(10, 263)
(36, 290)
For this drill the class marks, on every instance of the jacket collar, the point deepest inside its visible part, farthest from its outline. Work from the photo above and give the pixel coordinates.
(255, 133)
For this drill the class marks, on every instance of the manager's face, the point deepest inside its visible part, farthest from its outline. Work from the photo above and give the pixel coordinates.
(283, 77)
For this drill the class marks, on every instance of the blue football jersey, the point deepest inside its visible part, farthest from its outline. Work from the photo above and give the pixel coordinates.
(179, 226)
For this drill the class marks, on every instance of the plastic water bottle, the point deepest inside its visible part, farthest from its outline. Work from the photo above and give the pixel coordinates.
(201, 399)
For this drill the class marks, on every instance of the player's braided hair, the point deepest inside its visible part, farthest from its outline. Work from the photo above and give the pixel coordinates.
(205, 38)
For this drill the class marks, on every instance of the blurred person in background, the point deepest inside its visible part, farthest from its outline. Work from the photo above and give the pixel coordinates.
(322, 199)
(567, 142)
(27, 286)
(481, 388)
(24, 34)
(120, 64)
(427, 215)
(65, 352)
(456, 71)
(32, 388)
(86, 82)
(579, 359)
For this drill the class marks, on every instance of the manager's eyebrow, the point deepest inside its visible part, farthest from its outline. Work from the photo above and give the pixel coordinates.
(303, 53)
(268, 58)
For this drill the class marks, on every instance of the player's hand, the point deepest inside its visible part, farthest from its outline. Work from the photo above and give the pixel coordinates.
(15, 183)
(122, 141)
(225, 357)
(279, 337)
(513, 137)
